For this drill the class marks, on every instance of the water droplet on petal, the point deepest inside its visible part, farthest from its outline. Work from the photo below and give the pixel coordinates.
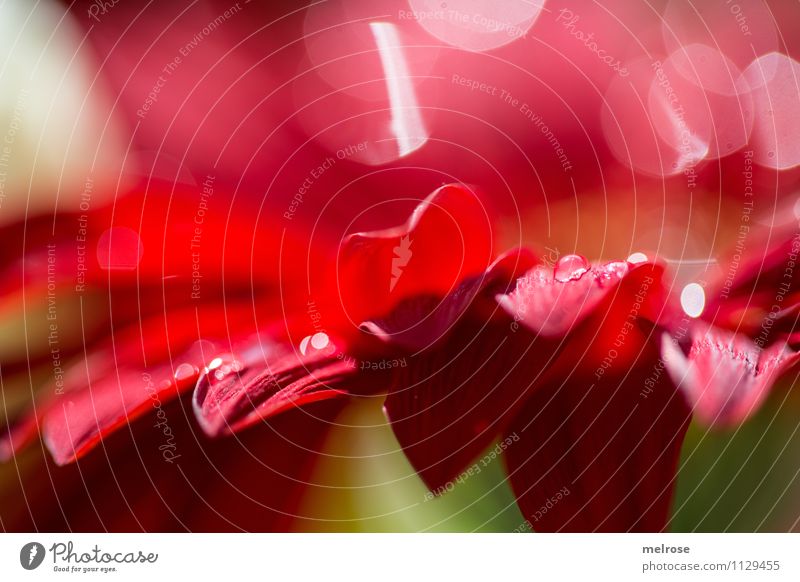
(570, 267)
(185, 372)
(318, 341)
(222, 368)
(693, 300)
(220, 374)
(612, 272)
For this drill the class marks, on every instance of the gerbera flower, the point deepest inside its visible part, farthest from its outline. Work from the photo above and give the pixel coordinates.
(245, 351)
(552, 358)
(178, 347)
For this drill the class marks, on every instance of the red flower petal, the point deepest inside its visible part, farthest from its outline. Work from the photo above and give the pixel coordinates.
(76, 423)
(147, 363)
(454, 397)
(158, 476)
(451, 399)
(264, 377)
(447, 238)
(726, 376)
(757, 293)
(595, 310)
(175, 234)
(599, 455)
(420, 321)
(159, 234)
(553, 301)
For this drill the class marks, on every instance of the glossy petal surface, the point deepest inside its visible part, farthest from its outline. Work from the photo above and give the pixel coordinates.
(447, 239)
(264, 377)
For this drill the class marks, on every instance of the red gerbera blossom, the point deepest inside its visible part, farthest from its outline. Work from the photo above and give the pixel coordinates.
(246, 348)
(560, 362)
(185, 342)
(552, 358)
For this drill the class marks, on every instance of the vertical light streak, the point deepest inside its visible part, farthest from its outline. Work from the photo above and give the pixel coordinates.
(407, 124)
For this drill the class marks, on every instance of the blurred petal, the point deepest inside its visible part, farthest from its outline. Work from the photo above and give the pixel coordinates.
(63, 141)
(141, 368)
(725, 375)
(165, 479)
(776, 96)
(738, 30)
(757, 291)
(699, 97)
(610, 448)
(79, 421)
(478, 25)
(145, 367)
(18, 427)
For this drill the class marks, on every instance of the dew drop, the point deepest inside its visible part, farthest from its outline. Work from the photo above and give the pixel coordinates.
(611, 273)
(570, 268)
(185, 372)
(222, 367)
